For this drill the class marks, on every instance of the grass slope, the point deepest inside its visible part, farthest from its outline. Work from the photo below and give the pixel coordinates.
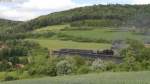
(8, 23)
(125, 14)
(54, 28)
(96, 33)
(58, 44)
(101, 78)
(105, 33)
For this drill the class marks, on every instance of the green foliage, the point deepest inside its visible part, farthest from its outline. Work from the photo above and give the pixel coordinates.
(100, 35)
(42, 70)
(97, 15)
(10, 78)
(144, 54)
(95, 78)
(7, 23)
(98, 65)
(32, 71)
(83, 70)
(111, 15)
(130, 62)
(135, 57)
(64, 67)
(59, 44)
(65, 36)
(97, 23)
(15, 52)
(79, 61)
(111, 66)
(39, 34)
(4, 66)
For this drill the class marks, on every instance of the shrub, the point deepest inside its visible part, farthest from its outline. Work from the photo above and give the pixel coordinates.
(63, 68)
(32, 71)
(49, 70)
(79, 61)
(10, 78)
(83, 70)
(98, 64)
(4, 66)
(110, 66)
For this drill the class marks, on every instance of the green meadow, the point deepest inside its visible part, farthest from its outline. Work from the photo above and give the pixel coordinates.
(99, 44)
(58, 44)
(106, 34)
(54, 28)
(95, 33)
(98, 78)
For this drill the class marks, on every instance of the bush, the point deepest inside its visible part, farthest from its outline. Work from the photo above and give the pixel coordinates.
(98, 64)
(44, 69)
(64, 68)
(4, 66)
(32, 71)
(110, 66)
(79, 61)
(10, 78)
(83, 70)
(49, 70)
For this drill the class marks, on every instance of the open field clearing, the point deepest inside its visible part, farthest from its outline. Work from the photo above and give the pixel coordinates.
(54, 28)
(58, 44)
(101, 78)
(95, 33)
(107, 34)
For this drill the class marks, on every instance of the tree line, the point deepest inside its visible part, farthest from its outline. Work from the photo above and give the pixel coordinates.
(125, 15)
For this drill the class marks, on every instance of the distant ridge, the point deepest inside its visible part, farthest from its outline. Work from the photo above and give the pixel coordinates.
(126, 15)
(8, 23)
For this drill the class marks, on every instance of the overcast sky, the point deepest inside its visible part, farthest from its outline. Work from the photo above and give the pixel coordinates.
(29, 9)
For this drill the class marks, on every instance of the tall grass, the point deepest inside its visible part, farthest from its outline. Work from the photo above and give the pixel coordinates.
(106, 34)
(58, 44)
(101, 78)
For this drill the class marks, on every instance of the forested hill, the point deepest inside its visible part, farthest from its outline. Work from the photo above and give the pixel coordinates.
(8, 23)
(125, 15)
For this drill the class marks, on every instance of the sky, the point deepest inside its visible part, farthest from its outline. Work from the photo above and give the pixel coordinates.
(23, 10)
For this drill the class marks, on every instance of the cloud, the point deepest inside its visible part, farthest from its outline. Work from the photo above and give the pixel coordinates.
(30, 9)
(141, 2)
(46, 4)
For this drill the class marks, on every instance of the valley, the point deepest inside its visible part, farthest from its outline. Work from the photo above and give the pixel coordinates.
(103, 31)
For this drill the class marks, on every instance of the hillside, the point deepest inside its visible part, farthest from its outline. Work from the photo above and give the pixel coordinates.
(121, 15)
(8, 23)
(110, 40)
(6, 27)
(101, 78)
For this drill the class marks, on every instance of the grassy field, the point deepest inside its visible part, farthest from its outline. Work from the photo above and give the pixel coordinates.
(100, 78)
(96, 33)
(107, 34)
(23, 75)
(58, 44)
(54, 28)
